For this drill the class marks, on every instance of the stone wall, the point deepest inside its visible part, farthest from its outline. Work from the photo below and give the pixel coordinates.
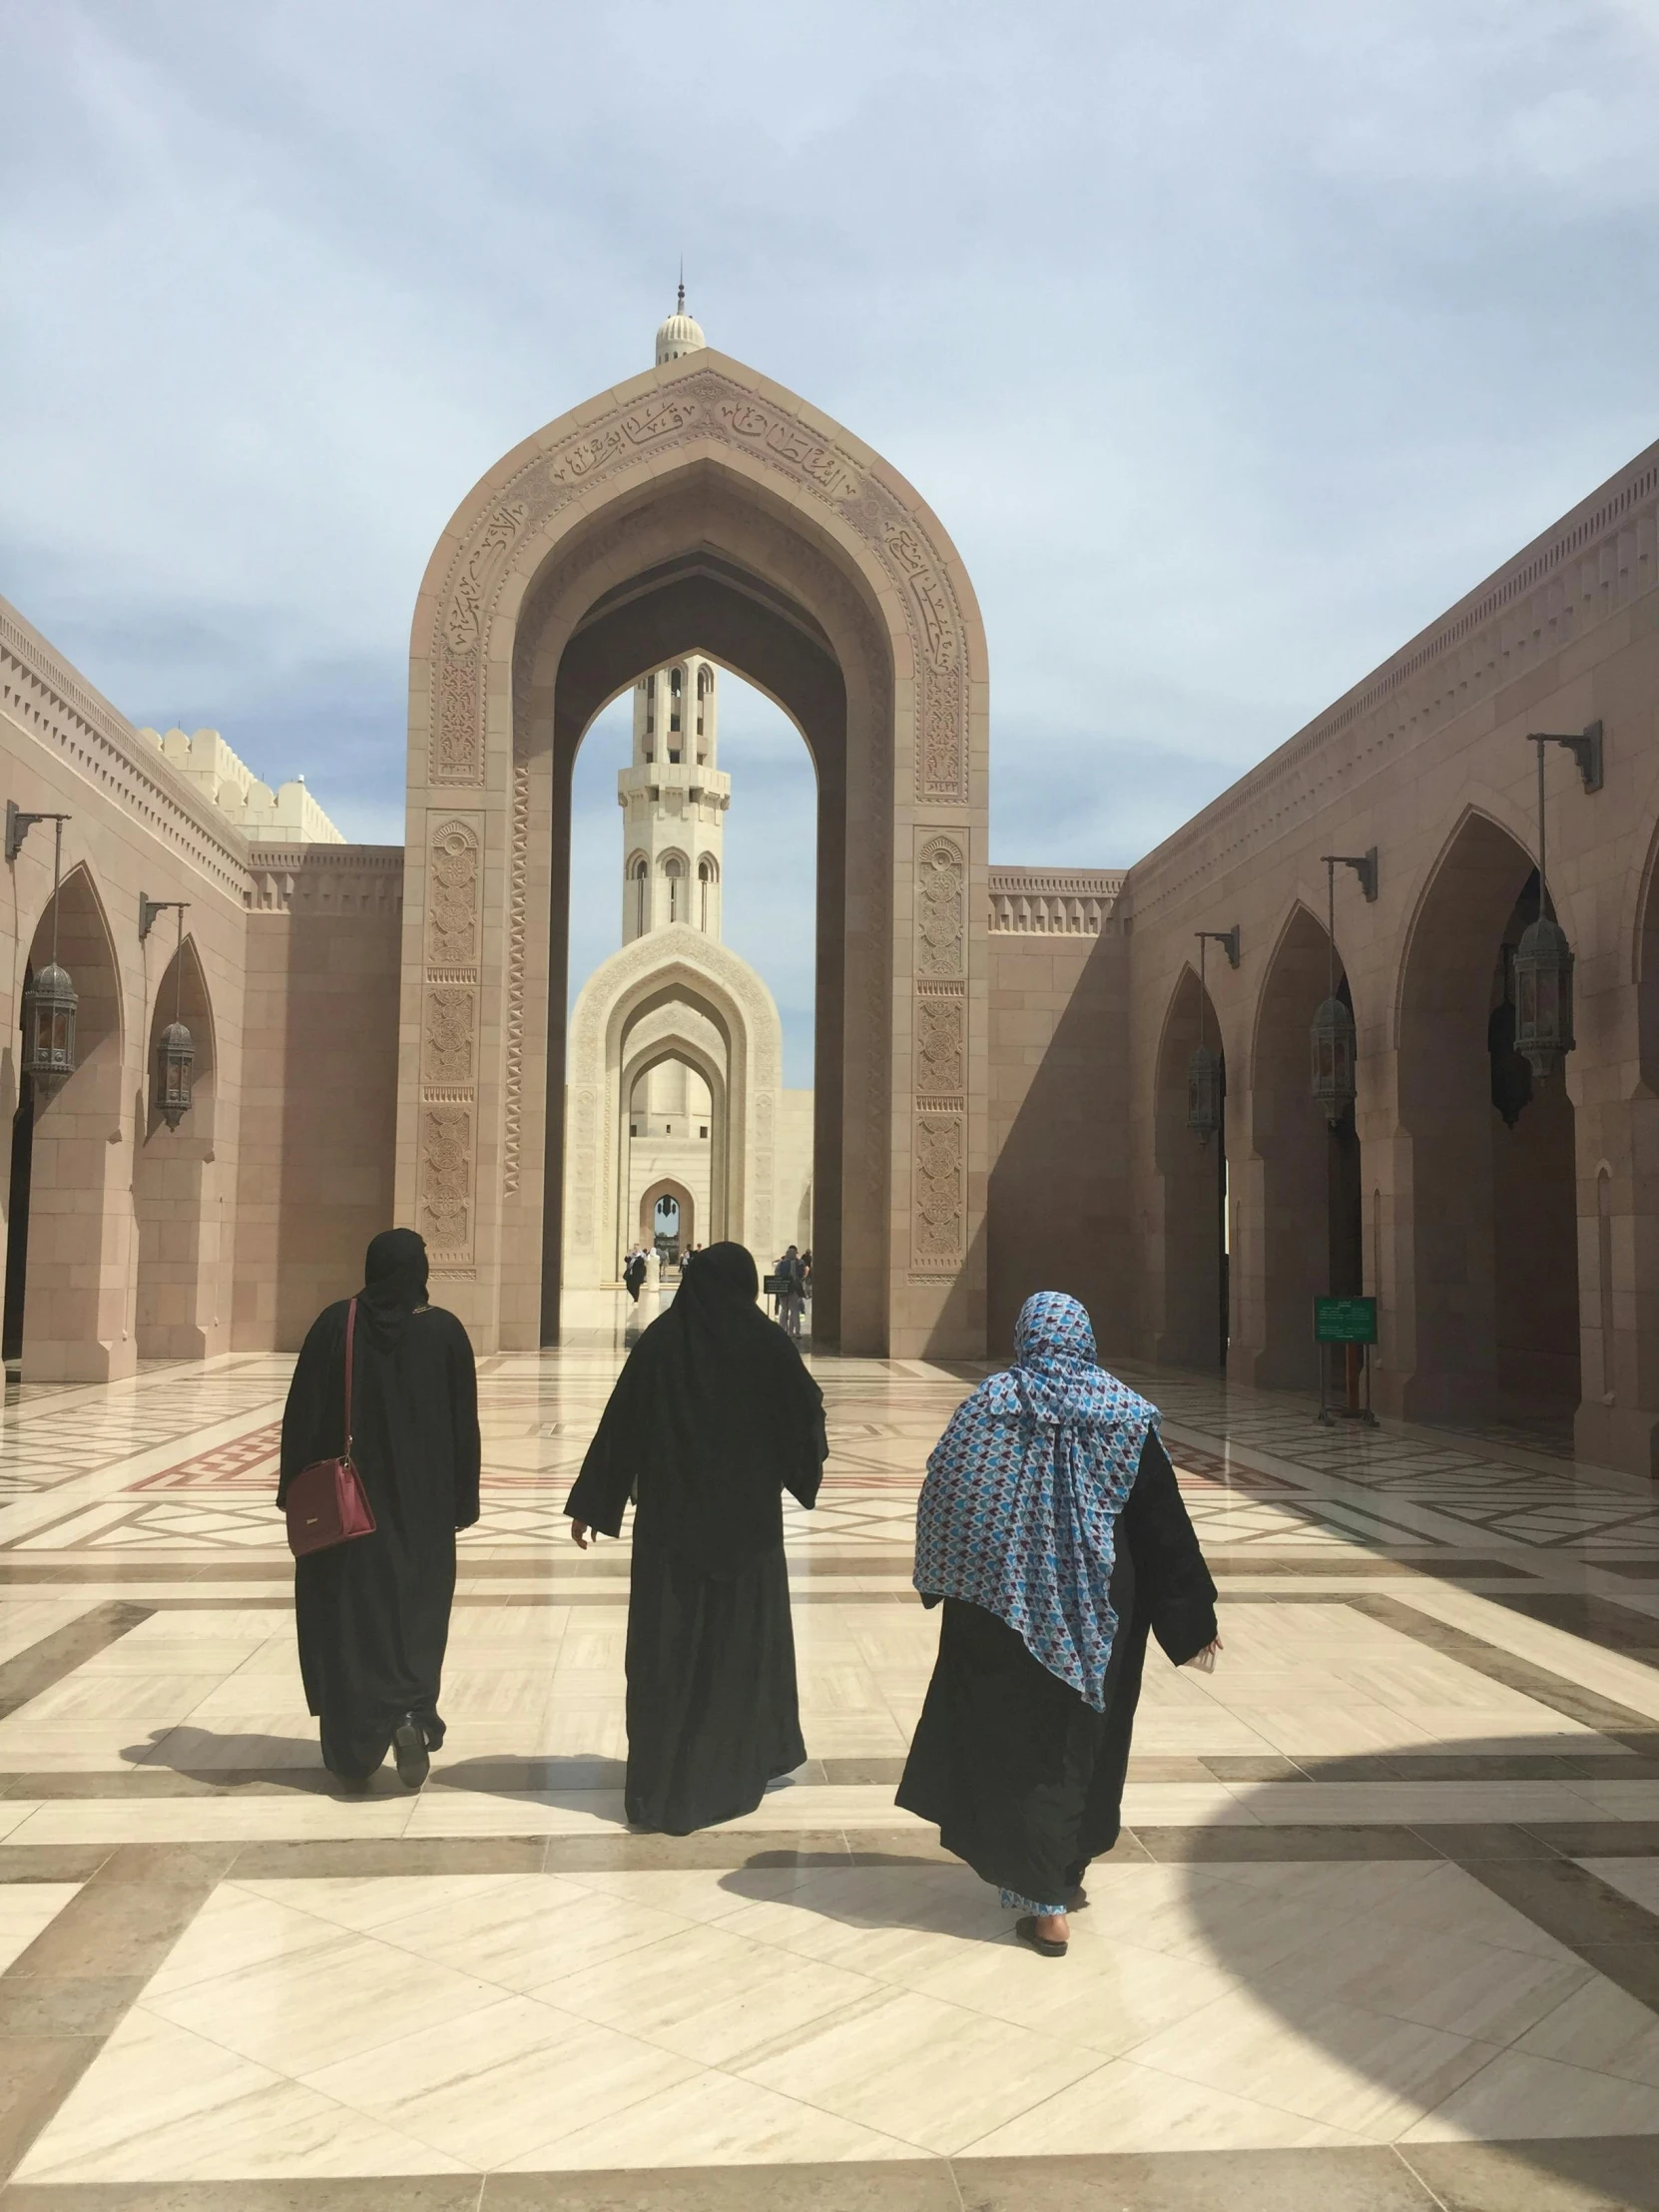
(1058, 1064)
(319, 1109)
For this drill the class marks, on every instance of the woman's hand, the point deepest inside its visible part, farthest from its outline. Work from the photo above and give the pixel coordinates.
(579, 1534)
(1205, 1660)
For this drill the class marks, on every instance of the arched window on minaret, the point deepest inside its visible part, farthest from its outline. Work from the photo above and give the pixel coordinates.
(674, 870)
(707, 876)
(639, 876)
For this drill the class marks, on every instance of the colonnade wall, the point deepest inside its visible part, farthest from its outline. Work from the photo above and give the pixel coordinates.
(232, 1231)
(1057, 1213)
(320, 1073)
(1467, 1226)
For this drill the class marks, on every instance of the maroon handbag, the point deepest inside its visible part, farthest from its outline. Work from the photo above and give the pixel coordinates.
(326, 1502)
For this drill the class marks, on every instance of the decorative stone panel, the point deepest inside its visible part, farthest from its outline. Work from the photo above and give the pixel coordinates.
(942, 907)
(940, 1070)
(447, 1141)
(937, 1176)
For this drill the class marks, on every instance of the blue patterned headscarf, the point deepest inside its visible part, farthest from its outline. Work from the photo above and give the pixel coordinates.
(1018, 1513)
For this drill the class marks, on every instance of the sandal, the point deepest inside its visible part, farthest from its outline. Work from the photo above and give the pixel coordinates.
(1025, 1929)
(410, 1754)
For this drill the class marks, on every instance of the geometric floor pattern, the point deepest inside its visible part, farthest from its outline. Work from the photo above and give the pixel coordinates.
(1383, 1930)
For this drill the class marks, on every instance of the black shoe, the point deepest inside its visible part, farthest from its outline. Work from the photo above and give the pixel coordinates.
(1025, 1928)
(408, 1747)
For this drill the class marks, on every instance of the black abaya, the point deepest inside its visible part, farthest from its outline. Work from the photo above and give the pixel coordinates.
(373, 1614)
(1020, 1775)
(712, 1419)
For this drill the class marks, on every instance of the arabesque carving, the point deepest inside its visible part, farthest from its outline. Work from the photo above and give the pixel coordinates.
(445, 1178)
(450, 1014)
(937, 1235)
(452, 897)
(942, 909)
(706, 405)
(941, 1045)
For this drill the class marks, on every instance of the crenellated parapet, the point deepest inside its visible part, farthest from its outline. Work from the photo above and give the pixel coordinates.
(1053, 903)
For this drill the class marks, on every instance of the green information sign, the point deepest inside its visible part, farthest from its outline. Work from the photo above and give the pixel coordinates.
(1345, 1320)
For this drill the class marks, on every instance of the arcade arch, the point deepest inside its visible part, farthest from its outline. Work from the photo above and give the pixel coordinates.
(1492, 1207)
(178, 1204)
(1192, 1295)
(700, 509)
(67, 1247)
(1308, 1189)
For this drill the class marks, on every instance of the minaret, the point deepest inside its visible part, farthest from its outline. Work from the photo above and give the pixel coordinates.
(674, 801)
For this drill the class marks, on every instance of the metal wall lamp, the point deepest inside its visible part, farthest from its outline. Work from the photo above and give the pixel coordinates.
(18, 826)
(174, 1047)
(49, 1001)
(149, 908)
(1585, 748)
(1363, 865)
(1544, 958)
(1206, 1078)
(1333, 1037)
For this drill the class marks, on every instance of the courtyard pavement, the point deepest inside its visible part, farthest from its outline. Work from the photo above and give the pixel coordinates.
(1382, 1933)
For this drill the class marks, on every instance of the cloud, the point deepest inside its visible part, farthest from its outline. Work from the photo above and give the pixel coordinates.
(1231, 345)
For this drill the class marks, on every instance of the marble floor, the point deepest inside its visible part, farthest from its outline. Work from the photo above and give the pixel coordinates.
(1383, 1931)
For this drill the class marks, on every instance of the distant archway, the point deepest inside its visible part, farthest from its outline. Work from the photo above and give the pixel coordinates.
(669, 1192)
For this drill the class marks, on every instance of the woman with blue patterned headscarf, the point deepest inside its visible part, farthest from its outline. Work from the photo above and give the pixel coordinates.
(1052, 1528)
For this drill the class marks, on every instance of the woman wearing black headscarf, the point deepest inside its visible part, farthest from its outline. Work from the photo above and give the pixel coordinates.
(712, 1419)
(374, 1613)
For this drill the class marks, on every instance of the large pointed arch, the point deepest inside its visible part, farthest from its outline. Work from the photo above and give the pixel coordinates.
(699, 507)
(1188, 1282)
(67, 1248)
(1491, 1323)
(180, 1306)
(1307, 1235)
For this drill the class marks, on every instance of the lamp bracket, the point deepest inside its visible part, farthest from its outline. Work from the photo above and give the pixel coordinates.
(1228, 939)
(1363, 865)
(149, 908)
(1585, 748)
(18, 826)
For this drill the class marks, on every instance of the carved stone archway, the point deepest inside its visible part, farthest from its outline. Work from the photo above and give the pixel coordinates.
(700, 507)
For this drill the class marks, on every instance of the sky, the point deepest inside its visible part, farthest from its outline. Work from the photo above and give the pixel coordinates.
(1230, 344)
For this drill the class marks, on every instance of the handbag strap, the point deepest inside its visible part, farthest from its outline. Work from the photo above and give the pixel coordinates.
(350, 1332)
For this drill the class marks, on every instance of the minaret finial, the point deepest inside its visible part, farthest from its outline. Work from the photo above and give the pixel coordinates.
(681, 307)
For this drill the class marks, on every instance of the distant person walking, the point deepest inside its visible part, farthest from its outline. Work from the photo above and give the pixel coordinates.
(711, 1421)
(790, 1278)
(1051, 1528)
(633, 1274)
(374, 1613)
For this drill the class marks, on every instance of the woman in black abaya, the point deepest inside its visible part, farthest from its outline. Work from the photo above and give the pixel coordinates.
(374, 1613)
(712, 1419)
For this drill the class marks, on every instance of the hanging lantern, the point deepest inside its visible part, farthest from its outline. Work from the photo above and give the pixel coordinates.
(1204, 1093)
(1334, 1041)
(174, 1056)
(1543, 995)
(49, 1006)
